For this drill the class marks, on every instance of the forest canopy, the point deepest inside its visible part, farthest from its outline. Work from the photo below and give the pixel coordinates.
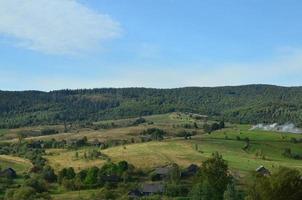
(240, 104)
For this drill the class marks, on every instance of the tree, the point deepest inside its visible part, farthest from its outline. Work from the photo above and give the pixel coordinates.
(202, 191)
(23, 193)
(67, 173)
(213, 178)
(284, 184)
(37, 183)
(21, 136)
(70, 174)
(215, 126)
(221, 125)
(175, 173)
(207, 128)
(92, 175)
(231, 192)
(48, 174)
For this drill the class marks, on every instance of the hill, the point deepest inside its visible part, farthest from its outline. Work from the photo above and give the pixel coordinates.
(240, 104)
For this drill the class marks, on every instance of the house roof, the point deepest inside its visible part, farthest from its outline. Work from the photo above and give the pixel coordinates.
(135, 193)
(152, 188)
(8, 172)
(163, 170)
(190, 171)
(261, 169)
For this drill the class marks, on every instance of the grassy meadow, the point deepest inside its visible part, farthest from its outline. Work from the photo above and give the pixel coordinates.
(19, 164)
(265, 148)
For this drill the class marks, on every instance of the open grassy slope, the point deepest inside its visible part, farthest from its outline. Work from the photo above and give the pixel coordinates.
(19, 164)
(123, 130)
(184, 152)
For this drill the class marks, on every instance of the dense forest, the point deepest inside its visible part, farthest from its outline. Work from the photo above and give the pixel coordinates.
(241, 104)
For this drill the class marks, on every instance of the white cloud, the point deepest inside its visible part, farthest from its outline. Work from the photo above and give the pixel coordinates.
(55, 26)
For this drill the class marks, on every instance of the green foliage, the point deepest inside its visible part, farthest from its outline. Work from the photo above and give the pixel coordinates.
(207, 128)
(67, 173)
(91, 177)
(139, 121)
(243, 104)
(154, 133)
(176, 190)
(231, 193)
(49, 131)
(36, 182)
(48, 174)
(104, 193)
(175, 173)
(213, 179)
(289, 154)
(284, 184)
(23, 193)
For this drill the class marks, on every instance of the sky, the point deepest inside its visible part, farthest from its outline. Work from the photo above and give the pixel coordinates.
(59, 44)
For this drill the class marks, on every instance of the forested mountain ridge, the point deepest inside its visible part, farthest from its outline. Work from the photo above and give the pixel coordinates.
(244, 104)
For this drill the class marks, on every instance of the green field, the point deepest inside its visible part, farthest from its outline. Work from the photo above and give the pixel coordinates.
(265, 148)
(19, 164)
(200, 147)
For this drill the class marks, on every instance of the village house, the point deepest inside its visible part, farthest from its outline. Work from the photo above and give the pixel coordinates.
(8, 173)
(190, 171)
(162, 172)
(152, 188)
(263, 171)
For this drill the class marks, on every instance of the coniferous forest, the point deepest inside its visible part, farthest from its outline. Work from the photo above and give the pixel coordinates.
(240, 104)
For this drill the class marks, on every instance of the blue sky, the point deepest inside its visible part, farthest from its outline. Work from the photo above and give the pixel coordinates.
(47, 45)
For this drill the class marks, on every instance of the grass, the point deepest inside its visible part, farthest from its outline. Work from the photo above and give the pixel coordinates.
(19, 164)
(184, 152)
(163, 121)
(153, 154)
(71, 195)
(61, 158)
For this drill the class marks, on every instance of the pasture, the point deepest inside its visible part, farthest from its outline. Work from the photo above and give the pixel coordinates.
(265, 149)
(19, 164)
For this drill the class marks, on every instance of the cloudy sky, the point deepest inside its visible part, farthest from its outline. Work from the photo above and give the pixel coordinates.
(56, 44)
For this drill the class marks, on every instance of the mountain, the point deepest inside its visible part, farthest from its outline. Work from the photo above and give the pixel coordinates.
(242, 104)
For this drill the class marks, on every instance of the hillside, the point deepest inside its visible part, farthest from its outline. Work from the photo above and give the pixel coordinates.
(240, 104)
(90, 154)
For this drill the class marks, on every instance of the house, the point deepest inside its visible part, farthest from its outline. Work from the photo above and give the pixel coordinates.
(135, 194)
(152, 188)
(190, 171)
(263, 171)
(8, 173)
(162, 172)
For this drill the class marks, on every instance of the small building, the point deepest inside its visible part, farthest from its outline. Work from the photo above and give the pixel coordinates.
(8, 173)
(152, 188)
(163, 172)
(263, 171)
(135, 194)
(190, 171)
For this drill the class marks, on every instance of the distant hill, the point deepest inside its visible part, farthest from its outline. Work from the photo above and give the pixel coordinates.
(243, 104)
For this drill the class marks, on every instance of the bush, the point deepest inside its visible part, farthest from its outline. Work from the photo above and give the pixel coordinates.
(37, 183)
(49, 131)
(284, 184)
(23, 193)
(154, 133)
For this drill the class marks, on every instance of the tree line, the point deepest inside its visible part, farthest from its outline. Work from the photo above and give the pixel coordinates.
(241, 104)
